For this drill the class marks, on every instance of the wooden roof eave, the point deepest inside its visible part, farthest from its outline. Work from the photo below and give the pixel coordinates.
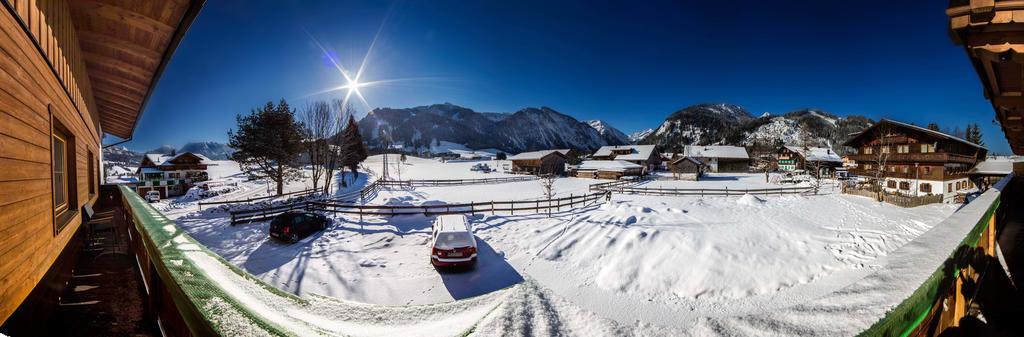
(124, 68)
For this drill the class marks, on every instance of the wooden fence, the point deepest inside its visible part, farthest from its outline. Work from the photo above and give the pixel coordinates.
(509, 206)
(296, 194)
(616, 184)
(712, 191)
(456, 182)
(906, 201)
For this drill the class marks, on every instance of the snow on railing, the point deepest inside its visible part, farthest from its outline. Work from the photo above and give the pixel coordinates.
(936, 261)
(195, 292)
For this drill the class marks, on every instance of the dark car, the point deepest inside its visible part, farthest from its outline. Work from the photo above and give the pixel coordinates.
(293, 226)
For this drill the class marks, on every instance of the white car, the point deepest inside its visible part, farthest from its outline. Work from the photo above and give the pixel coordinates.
(152, 196)
(452, 242)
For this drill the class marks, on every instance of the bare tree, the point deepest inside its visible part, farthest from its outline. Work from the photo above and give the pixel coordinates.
(319, 122)
(884, 143)
(548, 182)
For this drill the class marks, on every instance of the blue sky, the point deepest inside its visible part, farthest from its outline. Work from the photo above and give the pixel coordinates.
(630, 63)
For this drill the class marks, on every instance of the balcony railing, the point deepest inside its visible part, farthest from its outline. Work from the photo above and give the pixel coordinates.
(193, 291)
(933, 157)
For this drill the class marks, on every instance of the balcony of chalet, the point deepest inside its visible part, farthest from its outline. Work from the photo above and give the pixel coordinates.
(933, 157)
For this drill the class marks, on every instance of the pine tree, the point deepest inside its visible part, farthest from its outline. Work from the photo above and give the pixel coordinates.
(268, 143)
(354, 150)
(973, 134)
(933, 127)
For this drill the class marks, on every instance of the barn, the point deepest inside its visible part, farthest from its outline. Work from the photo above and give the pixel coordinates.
(539, 162)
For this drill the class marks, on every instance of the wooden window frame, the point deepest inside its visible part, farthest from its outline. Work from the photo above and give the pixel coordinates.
(68, 210)
(925, 187)
(904, 186)
(91, 170)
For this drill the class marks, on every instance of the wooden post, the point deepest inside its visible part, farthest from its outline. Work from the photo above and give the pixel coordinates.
(492, 207)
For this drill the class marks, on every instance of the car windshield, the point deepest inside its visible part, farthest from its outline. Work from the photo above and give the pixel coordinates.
(454, 240)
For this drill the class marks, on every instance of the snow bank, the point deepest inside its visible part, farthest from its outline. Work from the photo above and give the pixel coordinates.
(749, 200)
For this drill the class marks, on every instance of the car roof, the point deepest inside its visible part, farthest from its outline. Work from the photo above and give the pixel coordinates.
(451, 223)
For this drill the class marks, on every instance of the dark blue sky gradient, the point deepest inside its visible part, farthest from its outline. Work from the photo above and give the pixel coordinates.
(630, 63)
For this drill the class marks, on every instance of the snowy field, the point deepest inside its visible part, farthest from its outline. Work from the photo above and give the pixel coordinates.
(644, 265)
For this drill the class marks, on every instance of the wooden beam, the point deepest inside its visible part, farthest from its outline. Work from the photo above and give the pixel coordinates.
(123, 45)
(102, 69)
(124, 16)
(107, 102)
(120, 95)
(134, 88)
(94, 58)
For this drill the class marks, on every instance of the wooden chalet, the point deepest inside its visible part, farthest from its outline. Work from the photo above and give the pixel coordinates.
(70, 72)
(914, 160)
(646, 156)
(171, 175)
(539, 162)
(790, 158)
(720, 158)
(609, 169)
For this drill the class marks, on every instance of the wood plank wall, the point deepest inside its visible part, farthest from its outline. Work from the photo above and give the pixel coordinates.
(32, 84)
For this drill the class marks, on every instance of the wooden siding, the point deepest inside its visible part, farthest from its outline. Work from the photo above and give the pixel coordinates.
(35, 81)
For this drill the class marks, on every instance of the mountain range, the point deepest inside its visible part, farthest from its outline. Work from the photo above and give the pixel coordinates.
(528, 129)
(428, 127)
(728, 124)
(532, 129)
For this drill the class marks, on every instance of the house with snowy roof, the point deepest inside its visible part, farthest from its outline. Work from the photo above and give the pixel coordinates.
(647, 156)
(911, 160)
(720, 158)
(608, 169)
(172, 174)
(539, 162)
(792, 157)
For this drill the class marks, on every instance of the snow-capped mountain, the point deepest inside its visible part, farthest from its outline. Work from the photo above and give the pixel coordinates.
(163, 149)
(121, 155)
(727, 124)
(700, 124)
(640, 135)
(525, 130)
(212, 150)
(611, 135)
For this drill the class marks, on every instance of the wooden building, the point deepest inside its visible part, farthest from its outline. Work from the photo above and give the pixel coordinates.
(646, 156)
(687, 168)
(539, 162)
(992, 36)
(171, 175)
(720, 158)
(608, 169)
(824, 160)
(913, 160)
(70, 72)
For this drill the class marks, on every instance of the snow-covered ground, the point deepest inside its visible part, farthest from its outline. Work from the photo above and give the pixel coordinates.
(645, 265)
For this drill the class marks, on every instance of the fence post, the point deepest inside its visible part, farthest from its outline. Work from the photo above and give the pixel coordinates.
(512, 208)
(549, 207)
(492, 207)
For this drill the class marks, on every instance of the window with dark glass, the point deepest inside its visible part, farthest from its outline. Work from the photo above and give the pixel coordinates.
(63, 173)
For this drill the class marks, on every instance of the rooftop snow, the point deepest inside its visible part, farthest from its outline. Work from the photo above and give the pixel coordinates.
(716, 151)
(816, 153)
(637, 152)
(534, 155)
(608, 165)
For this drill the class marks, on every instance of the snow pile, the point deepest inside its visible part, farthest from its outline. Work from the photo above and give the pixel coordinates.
(749, 200)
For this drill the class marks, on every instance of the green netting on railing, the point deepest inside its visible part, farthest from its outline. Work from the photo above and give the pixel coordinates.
(198, 298)
(903, 319)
